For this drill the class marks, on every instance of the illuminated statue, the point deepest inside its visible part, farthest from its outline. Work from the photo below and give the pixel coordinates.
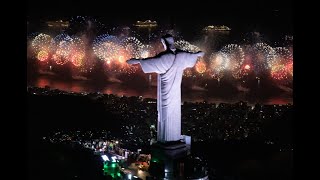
(169, 66)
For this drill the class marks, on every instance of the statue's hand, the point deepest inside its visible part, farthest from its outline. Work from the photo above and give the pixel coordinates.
(200, 54)
(133, 61)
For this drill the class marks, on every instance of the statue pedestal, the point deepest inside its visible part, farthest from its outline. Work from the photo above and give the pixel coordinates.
(173, 161)
(167, 160)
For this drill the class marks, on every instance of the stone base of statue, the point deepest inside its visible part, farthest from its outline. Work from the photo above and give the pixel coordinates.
(173, 150)
(167, 158)
(173, 160)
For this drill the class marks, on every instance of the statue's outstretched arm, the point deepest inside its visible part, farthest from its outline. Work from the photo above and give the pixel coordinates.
(137, 61)
(150, 65)
(133, 61)
(199, 54)
(191, 58)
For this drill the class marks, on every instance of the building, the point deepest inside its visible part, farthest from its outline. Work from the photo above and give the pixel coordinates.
(215, 37)
(57, 25)
(146, 24)
(222, 28)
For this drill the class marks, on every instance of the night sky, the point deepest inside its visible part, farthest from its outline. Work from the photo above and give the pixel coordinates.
(265, 16)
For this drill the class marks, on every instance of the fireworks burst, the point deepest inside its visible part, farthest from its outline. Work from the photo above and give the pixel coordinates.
(41, 46)
(147, 51)
(77, 58)
(219, 62)
(263, 55)
(133, 46)
(244, 70)
(235, 55)
(77, 52)
(62, 47)
(282, 56)
(109, 49)
(282, 64)
(43, 55)
(106, 47)
(186, 46)
(60, 38)
(119, 65)
(201, 66)
(113, 50)
(289, 68)
(279, 72)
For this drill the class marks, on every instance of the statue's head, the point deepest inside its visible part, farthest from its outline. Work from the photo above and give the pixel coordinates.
(168, 42)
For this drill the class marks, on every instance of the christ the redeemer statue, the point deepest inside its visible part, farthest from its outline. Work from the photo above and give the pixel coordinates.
(169, 66)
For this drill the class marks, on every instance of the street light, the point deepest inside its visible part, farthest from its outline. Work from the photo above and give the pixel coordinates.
(105, 157)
